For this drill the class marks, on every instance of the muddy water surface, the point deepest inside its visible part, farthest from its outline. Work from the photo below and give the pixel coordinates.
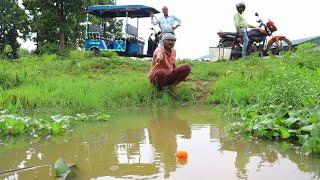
(142, 145)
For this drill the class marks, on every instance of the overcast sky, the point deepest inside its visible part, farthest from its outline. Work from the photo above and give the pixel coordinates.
(202, 19)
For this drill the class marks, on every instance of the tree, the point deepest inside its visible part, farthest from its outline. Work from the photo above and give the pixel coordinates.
(111, 26)
(57, 22)
(13, 24)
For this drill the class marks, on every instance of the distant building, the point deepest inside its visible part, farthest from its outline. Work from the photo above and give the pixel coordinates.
(205, 58)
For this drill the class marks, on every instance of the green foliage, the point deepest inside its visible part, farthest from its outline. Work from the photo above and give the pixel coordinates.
(13, 20)
(24, 53)
(305, 47)
(11, 125)
(83, 83)
(275, 99)
(109, 54)
(311, 144)
(56, 128)
(57, 23)
(10, 79)
(8, 52)
(79, 55)
(49, 48)
(275, 83)
(112, 27)
(306, 57)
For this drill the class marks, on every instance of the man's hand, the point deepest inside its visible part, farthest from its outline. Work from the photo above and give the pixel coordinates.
(158, 60)
(174, 28)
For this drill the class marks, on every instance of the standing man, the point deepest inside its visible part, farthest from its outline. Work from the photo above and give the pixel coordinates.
(166, 23)
(241, 26)
(163, 71)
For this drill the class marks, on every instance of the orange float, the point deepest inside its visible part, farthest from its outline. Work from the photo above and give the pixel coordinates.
(182, 155)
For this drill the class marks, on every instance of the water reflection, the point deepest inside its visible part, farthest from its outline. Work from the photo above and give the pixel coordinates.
(142, 145)
(245, 150)
(163, 129)
(254, 158)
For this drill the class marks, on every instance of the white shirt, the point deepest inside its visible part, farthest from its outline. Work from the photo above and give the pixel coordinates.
(166, 24)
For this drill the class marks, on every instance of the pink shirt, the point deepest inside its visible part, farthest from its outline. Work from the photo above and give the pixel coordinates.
(167, 60)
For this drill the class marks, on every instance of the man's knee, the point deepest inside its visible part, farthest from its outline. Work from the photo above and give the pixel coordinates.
(159, 79)
(186, 69)
(160, 74)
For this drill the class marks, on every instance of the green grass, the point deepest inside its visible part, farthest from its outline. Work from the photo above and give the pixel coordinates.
(274, 98)
(82, 83)
(11, 125)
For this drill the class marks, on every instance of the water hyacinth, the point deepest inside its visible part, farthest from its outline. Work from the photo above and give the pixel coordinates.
(279, 122)
(58, 118)
(11, 125)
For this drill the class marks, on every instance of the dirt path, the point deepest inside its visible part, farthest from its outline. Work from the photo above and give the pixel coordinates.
(202, 89)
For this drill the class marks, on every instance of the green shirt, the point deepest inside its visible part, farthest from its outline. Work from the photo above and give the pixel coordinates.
(239, 21)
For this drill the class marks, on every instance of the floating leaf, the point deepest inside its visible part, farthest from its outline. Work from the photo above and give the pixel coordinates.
(61, 168)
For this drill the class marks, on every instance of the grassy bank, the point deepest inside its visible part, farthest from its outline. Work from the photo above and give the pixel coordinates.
(274, 98)
(83, 83)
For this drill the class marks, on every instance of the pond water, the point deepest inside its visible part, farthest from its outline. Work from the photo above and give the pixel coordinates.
(142, 145)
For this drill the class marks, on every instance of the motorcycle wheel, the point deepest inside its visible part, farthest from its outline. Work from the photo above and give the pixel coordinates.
(279, 47)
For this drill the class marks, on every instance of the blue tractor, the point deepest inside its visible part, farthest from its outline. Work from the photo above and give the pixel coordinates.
(131, 44)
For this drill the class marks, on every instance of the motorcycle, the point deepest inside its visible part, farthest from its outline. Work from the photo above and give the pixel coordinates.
(257, 41)
(153, 41)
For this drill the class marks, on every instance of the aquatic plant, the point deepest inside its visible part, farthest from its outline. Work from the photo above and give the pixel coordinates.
(276, 98)
(12, 125)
